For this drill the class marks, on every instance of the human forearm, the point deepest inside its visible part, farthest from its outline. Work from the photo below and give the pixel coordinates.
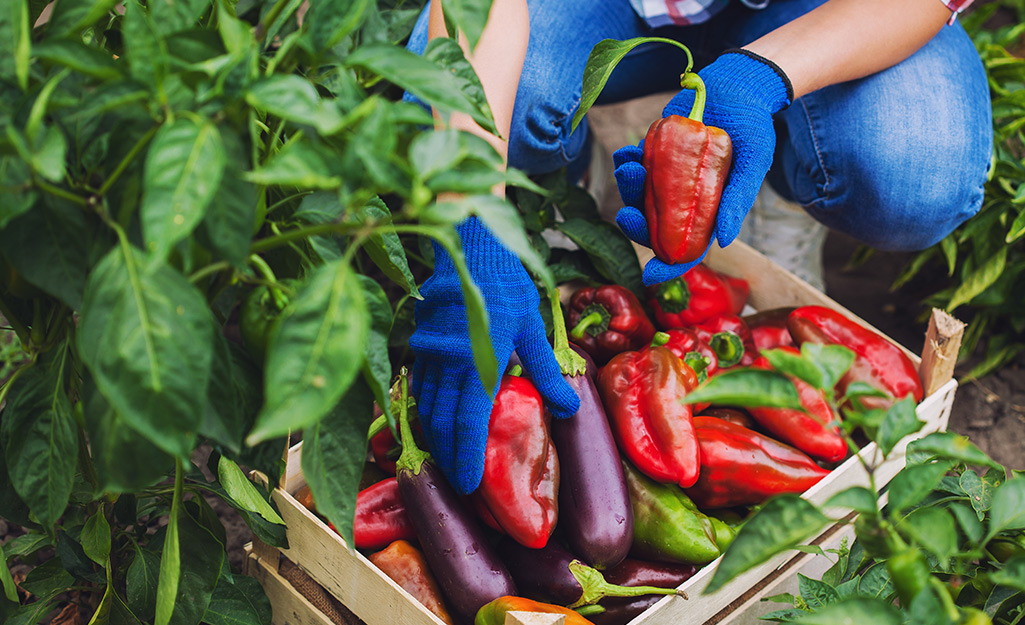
(846, 39)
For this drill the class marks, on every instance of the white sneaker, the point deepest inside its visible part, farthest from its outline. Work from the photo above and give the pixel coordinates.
(784, 232)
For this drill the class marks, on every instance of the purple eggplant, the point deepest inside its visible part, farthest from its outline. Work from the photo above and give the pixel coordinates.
(631, 572)
(594, 504)
(552, 575)
(455, 545)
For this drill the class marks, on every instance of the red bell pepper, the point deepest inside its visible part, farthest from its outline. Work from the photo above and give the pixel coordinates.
(406, 565)
(877, 361)
(608, 320)
(812, 430)
(685, 343)
(698, 295)
(381, 517)
(769, 328)
(687, 164)
(642, 391)
(384, 448)
(733, 415)
(731, 339)
(740, 467)
(520, 487)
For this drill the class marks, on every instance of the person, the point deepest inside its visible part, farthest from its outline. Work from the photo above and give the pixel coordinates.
(871, 116)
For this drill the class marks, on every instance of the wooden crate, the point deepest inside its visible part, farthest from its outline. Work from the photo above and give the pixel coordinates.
(377, 600)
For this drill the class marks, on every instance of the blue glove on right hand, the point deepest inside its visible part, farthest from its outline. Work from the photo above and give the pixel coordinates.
(744, 91)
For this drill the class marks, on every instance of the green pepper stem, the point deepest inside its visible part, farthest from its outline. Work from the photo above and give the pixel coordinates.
(690, 80)
(411, 458)
(261, 265)
(578, 330)
(728, 347)
(595, 587)
(570, 362)
(660, 339)
(674, 295)
(516, 371)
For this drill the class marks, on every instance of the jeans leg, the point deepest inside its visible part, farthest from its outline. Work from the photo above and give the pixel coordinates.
(897, 159)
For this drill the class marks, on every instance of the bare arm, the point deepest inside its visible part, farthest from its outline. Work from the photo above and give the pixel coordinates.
(847, 39)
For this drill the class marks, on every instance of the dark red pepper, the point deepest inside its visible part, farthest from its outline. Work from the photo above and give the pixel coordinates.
(381, 517)
(686, 164)
(740, 467)
(731, 339)
(385, 450)
(877, 362)
(698, 295)
(520, 486)
(608, 320)
(769, 328)
(642, 391)
(685, 343)
(813, 430)
(733, 415)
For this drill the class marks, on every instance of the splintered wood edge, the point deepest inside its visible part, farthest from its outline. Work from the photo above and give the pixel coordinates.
(516, 617)
(939, 354)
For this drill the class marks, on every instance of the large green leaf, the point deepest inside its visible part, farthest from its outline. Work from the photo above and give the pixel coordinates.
(239, 488)
(15, 40)
(747, 387)
(385, 248)
(49, 247)
(14, 176)
(145, 335)
(201, 559)
(1007, 510)
(88, 60)
(40, 439)
(914, 483)
(314, 353)
(184, 166)
(611, 253)
(329, 21)
(242, 602)
(233, 397)
(949, 446)
(901, 420)
(96, 538)
(229, 221)
(300, 163)
(6, 579)
(71, 16)
(931, 529)
(295, 99)
(333, 454)
(854, 610)
(469, 16)
(447, 54)
(377, 370)
(979, 280)
(426, 80)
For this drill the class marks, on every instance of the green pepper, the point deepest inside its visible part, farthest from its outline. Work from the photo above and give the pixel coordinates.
(667, 524)
(261, 308)
(910, 573)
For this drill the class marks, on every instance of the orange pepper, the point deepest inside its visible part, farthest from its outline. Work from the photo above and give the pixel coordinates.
(494, 613)
(406, 565)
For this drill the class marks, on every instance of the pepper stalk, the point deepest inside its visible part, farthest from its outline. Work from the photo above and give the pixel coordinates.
(570, 362)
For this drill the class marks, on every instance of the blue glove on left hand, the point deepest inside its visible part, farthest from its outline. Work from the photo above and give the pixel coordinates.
(453, 406)
(743, 91)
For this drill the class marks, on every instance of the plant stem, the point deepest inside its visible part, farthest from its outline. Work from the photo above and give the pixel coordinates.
(264, 269)
(272, 15)
(209, 269)
(585, 323)
(691, 80)
(570, 362)
(127, 160)
(61, 193)
(411, 458)
(301, 233)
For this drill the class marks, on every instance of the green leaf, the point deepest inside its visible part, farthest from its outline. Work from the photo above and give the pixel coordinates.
(1006, 512)
(609, 250)
(1012, 574)
(170, 567)
(747, 387)
(310, 360)
(88, 60)
(782, 523)
(914, 483)
(385, 248)
(228, 224)
(301, 163)
(855, 611)
(469, 16)
(857, 498)
(240, 603)
(832, 360)
(71, 16)
(47, 245)
(951, 446)
(604, 57)
(933, 530)
(504, 222)
(377, 370)
(141, 582)
(1017, 229)
(979, 491)
(234, 395)
(16, 41)
(797, 366)
(816, 593)
(329, 21)
(96, 538)
(969, 521)
(333, 457)
(424, 79)
(239, 488)
(26, 545)
(448, 55)
(6, 579)
(157, 376)
(183, 171)
(294, 98)
(40, 440)
(14, 174)
(202, 557)
(436, 151)
(876, 582)
(979, 280)
(47, 578)
(901, 420)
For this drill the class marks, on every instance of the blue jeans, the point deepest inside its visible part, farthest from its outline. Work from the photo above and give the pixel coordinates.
(897, 159)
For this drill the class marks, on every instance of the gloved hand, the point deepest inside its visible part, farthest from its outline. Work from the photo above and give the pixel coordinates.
(453, 405)
(744, 91)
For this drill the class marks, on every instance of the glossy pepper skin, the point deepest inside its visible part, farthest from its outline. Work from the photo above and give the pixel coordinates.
(740, 467)
(381, 517)
(769, 328)
(668, 526)
(698, 295)
(608, 320)
(877, 361)
(685, 343)
(731, 339)
(520, 486)
(812, 430)
(406, 565)
(687, 164)
(494, 612)
(383, 446)
(642, 391)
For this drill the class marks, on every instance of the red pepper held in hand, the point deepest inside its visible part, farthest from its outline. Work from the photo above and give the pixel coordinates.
(520, 487)
(686, 164)
(877, 361)
(811, 430)
(608, 320)
(380, 516)
(642, 391)
(696, 296)
(406, 565)
(740, 467)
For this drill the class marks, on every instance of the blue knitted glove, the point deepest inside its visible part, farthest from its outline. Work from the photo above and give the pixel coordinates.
(744, 91)
(453, 405)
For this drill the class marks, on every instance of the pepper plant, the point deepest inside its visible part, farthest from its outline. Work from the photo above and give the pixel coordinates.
(213, 218)
(943, 546)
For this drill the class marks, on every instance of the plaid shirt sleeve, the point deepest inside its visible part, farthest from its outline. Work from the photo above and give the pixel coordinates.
(956, 6)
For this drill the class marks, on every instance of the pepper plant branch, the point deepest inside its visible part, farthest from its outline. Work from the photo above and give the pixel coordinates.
(289, 236)
(212, 268)
(61, 193)
(127, 160)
